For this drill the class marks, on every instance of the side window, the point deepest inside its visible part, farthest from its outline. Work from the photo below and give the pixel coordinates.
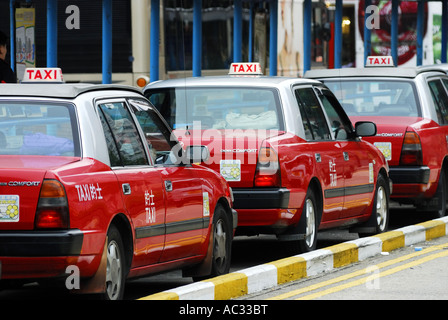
(114, 156)
(340, 124)
(440, 98)
(162, 148)
(313, 118)
(165, 102)
(121, 135)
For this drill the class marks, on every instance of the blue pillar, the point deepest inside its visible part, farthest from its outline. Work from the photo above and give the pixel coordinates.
(444, 30)
(237, 31)
(420, 25)
(197, 38)
(307, 10)
(107, 41)
(12, 40)
(52, 33)
(273, 37)
(154, 41)
(394, 32)
(367, 43)
(251, 32)
(338, 35)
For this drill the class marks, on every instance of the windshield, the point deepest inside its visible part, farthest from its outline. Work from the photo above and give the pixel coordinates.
(376, 97)
(38, 129)
(218, 107)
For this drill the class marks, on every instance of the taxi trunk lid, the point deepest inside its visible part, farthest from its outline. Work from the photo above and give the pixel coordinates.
(233, 153)
(21, 179)
(391, 133)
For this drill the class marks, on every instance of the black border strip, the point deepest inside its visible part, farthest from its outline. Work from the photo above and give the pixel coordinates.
(349, 191)
(172, 227)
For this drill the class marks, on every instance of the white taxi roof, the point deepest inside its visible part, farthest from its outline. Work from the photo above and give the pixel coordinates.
(394, 72)
(229, 81)
(64, 90)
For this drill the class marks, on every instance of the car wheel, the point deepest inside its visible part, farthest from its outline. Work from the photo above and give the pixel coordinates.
(222, 242)
(442, 196)
(381, 206)
(379, 219)
(309, 243)
(115, 274)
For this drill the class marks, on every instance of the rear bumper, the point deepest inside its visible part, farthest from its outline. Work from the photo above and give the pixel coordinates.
(269, 198)
(41, 243)
(409, 175)
(44, 254)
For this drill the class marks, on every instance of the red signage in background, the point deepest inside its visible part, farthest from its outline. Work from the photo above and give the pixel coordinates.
(407, 28)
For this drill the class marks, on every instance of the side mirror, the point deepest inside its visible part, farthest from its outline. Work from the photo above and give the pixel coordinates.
(365, 129)
(197, 154)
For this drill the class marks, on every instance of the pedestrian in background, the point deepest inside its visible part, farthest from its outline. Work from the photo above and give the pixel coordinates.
(6, 73)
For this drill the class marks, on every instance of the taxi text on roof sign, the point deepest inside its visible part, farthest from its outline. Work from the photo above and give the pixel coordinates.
(245, 68)
(43, 75)
(378, 61)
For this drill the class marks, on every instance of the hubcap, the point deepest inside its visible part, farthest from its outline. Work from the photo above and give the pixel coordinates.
(381, 208)
(113, 273)
(220, 244)
(310, 223)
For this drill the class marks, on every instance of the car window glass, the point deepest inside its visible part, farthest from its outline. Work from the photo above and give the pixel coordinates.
(219, 107)
(440, 99)
(376, 97)
(340, 124)
(313, 118)
(125, 134)
(114, 155)
(161, 146)
(38, 129)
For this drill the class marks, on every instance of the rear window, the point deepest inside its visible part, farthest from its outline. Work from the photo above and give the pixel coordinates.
(376, 97)
(219, 107)
(38, 129)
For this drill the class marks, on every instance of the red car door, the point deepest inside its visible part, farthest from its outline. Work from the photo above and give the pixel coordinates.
(328, 153)
(358, 168)
(187, 219)
(141, 184)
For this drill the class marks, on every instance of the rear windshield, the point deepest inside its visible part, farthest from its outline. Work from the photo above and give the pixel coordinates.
(38, 129)
(376, 97)
(219, 107)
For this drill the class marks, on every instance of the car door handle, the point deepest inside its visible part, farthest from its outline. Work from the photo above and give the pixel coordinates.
(168, 185)
(126, 188)
(346, 157)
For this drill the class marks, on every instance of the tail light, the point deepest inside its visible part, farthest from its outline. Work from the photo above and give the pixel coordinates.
(411, 152)
(52, 208)
(267, 173)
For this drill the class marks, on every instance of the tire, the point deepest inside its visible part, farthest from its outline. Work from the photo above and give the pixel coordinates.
(115, 274)
(380, 210)
(222, 242)
(441, 194)
(310, 210)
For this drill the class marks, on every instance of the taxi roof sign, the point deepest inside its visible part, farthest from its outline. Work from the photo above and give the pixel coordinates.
(245, 68)
(43, 75)
(380, 61)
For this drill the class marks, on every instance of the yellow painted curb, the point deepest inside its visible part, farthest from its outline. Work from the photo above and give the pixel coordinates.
(290, 269)
(229, 286)
(391, 240)
(162, 296)
(434, 229)
(344, 254)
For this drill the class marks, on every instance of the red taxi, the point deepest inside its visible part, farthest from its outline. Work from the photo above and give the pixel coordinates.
(291, 155)
(92, 184)
(410, 108)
